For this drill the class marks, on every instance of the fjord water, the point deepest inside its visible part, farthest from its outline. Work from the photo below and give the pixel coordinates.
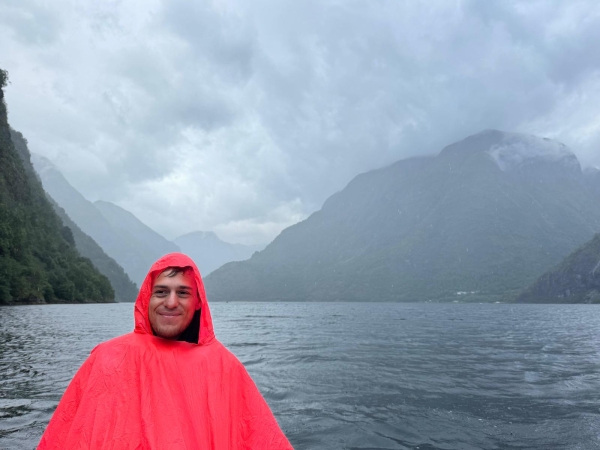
(354, 375)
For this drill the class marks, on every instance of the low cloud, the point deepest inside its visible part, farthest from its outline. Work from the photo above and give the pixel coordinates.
(243, 117)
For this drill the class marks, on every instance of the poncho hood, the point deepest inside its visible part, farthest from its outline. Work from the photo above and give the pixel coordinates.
(142, 320)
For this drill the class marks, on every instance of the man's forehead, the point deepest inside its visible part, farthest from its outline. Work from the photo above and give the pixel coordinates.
(181, 279)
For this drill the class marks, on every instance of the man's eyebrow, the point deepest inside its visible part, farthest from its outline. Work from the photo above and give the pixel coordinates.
(164, 286)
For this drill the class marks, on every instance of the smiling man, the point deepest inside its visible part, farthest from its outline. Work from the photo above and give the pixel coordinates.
(172, 305)
(169, 384)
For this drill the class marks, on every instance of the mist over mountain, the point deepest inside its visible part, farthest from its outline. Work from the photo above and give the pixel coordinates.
(125, 289)
(38, 258)
(131, 228)
(120, 242)
(209, 252)
(592, 179)
(131, 243)
(479, 221)
(574, 280)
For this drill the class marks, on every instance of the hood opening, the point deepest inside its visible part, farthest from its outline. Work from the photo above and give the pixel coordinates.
(200, 330)
(192, 332)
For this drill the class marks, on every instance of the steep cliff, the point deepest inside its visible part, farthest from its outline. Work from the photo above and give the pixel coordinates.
(38, 258)
(119, 233)
(125, 289)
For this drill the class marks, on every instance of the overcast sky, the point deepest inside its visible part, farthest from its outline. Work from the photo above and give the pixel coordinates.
(242, 117)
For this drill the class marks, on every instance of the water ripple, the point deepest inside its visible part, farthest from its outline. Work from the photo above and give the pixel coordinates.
(354, 376)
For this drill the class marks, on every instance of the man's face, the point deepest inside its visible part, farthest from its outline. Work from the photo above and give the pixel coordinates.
(172, 304)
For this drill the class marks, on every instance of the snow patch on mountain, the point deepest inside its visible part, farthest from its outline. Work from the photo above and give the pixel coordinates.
(517, 149)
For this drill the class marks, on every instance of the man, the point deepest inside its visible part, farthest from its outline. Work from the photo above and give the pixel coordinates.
(168, 385)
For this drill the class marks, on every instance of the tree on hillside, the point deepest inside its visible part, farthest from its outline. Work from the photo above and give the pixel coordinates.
(3, 78)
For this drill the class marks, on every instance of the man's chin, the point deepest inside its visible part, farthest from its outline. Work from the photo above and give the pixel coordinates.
(167, 332)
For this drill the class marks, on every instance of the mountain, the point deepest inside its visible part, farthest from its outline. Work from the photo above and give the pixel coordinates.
(133, 254)
(209, 252)
(575, 280)
(477, 222)
(134, 230)
(125, 289)
(592, 179)
(39, 262)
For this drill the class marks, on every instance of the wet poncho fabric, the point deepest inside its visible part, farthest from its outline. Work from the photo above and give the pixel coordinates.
(143, 392)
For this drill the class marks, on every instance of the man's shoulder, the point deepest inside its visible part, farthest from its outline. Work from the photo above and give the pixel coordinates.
(229, 356)
(137, 344)
(218, 347)
(120, 343)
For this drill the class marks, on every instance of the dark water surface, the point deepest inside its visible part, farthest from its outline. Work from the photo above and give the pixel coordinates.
(354, 376)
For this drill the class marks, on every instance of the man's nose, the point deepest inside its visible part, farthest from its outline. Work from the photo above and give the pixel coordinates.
(172, 300)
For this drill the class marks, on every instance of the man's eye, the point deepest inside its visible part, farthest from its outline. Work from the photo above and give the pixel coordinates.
(160, 293)
(184, 293)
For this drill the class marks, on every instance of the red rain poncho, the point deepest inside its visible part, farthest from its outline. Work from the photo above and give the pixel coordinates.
(143, 392)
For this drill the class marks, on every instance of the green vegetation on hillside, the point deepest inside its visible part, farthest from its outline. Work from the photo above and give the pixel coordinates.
(575, 280)
(38, 259)
(125, 289)
(3, 78)
(460, 226)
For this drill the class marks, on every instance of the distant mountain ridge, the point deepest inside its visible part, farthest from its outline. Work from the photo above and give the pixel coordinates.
(477, 222)
(134, 256)
(134, 228)
(125, 289)
(209, 252)
(131, 243)
(152, 244)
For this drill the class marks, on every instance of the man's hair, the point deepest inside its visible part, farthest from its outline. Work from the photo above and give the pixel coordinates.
(172, 271)
(192, 332)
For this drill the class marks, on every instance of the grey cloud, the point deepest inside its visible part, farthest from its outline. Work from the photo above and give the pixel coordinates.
(562, 35)
(219, 37)
(176, 89)
(243, 117)
(33, 22)
(398, 81)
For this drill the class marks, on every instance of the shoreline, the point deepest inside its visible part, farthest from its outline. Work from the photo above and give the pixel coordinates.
(310, 302)
(57, 303)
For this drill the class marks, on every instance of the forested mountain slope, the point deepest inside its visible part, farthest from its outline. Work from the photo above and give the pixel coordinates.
(129, 250)
(38, 258)
(478, 222)
(575, 280)
(125, 289)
